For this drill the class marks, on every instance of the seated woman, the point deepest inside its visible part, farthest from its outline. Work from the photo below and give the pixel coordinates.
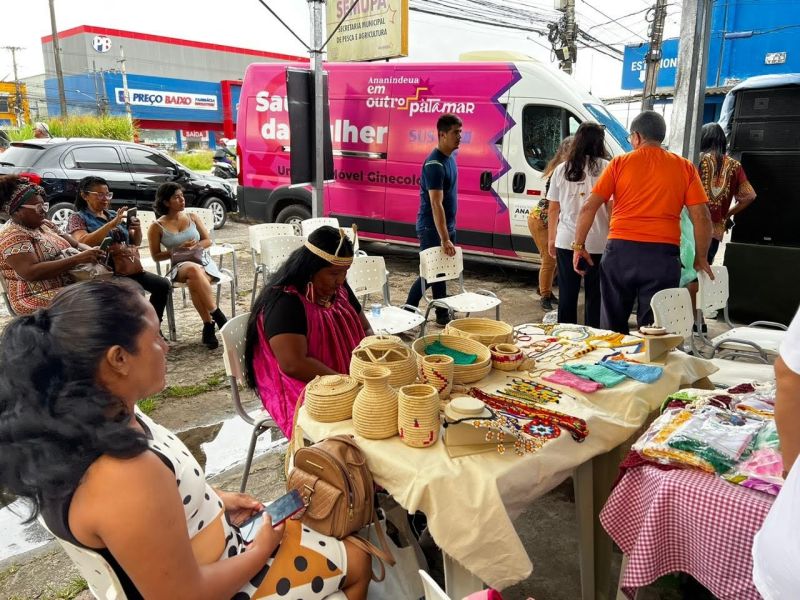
(305, 322)
(31, 247)
(95, 221)
(108, 479)
(177, 229)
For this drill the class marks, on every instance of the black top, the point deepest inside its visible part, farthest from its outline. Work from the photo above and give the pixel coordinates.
(288, 315)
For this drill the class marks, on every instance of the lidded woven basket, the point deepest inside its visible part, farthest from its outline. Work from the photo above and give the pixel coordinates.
(329, 398)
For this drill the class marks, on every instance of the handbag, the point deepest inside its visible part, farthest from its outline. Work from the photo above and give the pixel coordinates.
(85, 271)
(194, 254)
(124, 259)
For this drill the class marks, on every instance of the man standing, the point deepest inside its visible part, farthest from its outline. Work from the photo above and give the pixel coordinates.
(436, 219)
(41, 131)
(650, 186)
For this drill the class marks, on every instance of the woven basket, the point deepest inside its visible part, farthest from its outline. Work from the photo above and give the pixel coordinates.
(486, 331)
(506, 357)
(329, 398)
(437, 370)
(375, 407)
(381, 340)
(395, 357)
(418, 415)
(461, 373)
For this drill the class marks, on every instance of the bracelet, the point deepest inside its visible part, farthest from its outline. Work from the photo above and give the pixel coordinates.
(578, 246)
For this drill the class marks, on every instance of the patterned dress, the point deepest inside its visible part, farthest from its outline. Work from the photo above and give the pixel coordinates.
(45, 244)
(730, 182)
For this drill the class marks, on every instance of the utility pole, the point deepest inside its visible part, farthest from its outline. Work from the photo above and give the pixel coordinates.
(563, 35)
(316, 50)
(18, 95)
(125, 94)
(62, 97)
(96, 90)
(653, 58)
(690, 80)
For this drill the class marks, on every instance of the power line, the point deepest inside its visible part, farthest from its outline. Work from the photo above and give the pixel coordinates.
(613, 20)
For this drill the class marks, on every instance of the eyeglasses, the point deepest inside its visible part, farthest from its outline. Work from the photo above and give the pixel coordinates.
(43, 206)
(103, 196)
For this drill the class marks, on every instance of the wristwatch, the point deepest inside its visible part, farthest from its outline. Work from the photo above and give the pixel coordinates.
(578, 246)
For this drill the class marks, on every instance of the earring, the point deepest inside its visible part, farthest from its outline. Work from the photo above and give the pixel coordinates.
(310, 292)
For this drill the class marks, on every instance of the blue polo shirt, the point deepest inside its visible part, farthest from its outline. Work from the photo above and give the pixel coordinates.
(88, 221)
(439, 172)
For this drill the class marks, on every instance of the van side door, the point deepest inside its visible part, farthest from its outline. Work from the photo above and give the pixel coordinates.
(542, 124)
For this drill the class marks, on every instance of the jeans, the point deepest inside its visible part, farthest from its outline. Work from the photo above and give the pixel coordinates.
(633, 271)
(712, 250)
(429, 238)
(158, 287)
(548, 267)
(569, 286)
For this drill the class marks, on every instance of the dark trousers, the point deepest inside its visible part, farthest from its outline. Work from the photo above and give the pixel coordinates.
(633, 271)
(158, 287)
(569, 288)
(712, 250)
(429, 238)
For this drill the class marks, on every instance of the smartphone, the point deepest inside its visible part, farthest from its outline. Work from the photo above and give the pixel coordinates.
(130, 214)
(106, 243)
(279, 510)
(583, 264)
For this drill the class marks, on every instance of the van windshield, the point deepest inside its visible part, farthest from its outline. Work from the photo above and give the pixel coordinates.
(613, 126)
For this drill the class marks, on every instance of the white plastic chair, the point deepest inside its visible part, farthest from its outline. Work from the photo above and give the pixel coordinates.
(100, 577)
(233, 343)
(274, 252)
(215, 249)
(672, 309)
(309, 225)
(432, 589)
(764, 337)
(366, 276)
(352, 235)
(256, 233)
(146, 219)
(435, 266)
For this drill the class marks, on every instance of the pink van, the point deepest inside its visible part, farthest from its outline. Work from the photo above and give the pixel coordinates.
(383, 122)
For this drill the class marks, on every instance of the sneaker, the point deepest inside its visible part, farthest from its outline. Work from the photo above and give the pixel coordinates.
(547, 303)
(554, 299)
(443, 319)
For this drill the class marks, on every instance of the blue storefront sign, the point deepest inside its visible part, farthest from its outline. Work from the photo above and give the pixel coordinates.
(634, 65)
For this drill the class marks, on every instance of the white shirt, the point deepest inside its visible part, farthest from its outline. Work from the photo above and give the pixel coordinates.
(571, 195)
(776, 547)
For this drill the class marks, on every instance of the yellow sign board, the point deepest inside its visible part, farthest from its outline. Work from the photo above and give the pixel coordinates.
(373, 30)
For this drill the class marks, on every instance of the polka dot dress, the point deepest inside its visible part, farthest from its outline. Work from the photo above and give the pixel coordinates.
(307, 564)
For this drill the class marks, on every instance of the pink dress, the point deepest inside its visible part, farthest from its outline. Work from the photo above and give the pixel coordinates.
(332, 335)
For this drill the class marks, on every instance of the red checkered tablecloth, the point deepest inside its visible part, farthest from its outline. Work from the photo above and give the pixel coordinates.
(688, 521)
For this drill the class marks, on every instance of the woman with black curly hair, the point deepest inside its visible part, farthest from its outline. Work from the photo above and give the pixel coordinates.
(107, 478)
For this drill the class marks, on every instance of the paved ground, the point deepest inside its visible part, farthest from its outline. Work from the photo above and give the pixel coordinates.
(198, 402)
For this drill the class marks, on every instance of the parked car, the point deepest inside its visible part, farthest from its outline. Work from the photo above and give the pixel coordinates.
(133, 172)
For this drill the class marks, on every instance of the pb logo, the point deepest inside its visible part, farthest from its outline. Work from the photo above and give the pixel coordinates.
(101, 43)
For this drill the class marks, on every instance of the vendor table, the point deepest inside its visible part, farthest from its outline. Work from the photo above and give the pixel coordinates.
(687, 521)
(471, 501)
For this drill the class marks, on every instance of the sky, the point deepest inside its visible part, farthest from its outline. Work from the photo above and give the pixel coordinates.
(246, 23)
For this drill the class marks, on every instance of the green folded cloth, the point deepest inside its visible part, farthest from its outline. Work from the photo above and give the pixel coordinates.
(597, 373)
(459, 358)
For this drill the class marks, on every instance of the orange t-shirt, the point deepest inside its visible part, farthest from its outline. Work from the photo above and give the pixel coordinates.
(650, 187)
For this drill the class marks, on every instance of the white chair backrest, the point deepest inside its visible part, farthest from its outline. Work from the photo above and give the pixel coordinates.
(672, 309)
(256, 233)
(100, 577)
(310, 225)
(352, 236)
(276, 249)
(435, 265)
(233, 337)
(146, 219)
(206, 215)
(713, 295)
(432, 589)
(367, 275)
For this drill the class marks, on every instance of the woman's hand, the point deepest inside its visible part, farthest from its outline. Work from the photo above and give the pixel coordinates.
(92, 255)
(189, 244)
(117, 220)
(239, 507)
(267, 538)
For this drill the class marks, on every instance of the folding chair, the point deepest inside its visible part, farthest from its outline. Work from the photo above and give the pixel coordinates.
(435, 266)
(432, 589)
(274, 252)
(366, 276)
(763, 337)
(146, 219)
(233, 340)
(672, 309)
(215, 250)
(226, 279)
(309, 225)
(100, 577)
(256, 233)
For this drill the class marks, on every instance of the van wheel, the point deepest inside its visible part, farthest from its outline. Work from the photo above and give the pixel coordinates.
(60, 213)
(219, 210)
(294, 214)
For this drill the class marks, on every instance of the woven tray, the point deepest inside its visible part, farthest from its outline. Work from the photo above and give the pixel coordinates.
(461, 373)
(486, 331)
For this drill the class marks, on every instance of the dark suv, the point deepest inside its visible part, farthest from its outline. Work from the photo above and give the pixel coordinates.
(133, 172)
